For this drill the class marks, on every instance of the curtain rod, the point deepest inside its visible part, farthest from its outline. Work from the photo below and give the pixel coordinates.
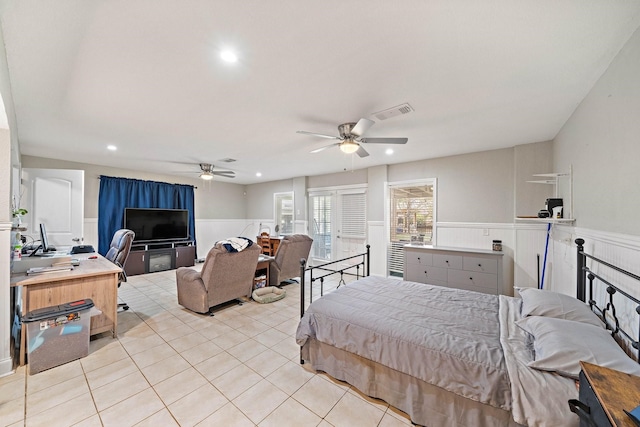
(175, 183)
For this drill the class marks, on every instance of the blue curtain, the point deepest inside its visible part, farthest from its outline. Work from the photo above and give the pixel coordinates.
(119, 193)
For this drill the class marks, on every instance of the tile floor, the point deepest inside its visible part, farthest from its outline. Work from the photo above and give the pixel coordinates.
(172, 367)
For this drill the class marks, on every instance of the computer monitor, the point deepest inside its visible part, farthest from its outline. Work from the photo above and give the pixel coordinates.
(44, 242)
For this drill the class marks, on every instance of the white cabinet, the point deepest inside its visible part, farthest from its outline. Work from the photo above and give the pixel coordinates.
(472, 269)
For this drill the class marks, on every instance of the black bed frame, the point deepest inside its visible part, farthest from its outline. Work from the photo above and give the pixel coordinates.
(328, 269)
(608, 313)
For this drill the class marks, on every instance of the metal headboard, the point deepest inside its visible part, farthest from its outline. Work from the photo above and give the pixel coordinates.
(609, 311)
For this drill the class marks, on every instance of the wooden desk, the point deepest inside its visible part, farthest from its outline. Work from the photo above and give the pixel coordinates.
(93, 278)
(263, 265)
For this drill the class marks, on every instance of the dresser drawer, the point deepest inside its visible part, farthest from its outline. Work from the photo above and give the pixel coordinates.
(427, 274)
(474, 281)
(482, 265)
(413, 273)
(418, 257)
(447, 261)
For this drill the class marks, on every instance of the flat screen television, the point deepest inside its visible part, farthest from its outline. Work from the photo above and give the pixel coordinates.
(157, 224)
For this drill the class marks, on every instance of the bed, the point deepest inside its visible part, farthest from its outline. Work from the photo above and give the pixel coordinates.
(454, 357)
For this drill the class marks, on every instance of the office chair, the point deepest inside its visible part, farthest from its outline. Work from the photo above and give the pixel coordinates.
(118, 253)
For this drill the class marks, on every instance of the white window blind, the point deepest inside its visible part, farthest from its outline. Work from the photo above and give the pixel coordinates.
(354, 217)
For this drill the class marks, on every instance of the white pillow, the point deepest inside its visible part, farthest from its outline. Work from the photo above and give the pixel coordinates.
(560, 345)
(538, 302)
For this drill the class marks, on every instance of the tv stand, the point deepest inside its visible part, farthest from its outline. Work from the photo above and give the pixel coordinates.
(151, 257)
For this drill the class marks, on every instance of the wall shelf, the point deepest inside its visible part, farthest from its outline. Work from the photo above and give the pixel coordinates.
(547, 220)
(554, 179)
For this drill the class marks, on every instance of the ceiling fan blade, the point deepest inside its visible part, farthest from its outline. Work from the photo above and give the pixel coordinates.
(362, 152)
(317, 150)
(362, 126)
(229, 174)
(318, 134)
(385, 140)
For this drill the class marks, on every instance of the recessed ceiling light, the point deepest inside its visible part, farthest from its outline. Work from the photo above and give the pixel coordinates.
(112, 147)
(228, 56)
(389, 151)
(258, 174)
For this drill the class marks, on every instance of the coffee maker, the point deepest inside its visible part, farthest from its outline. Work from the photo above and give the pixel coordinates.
(554, 207)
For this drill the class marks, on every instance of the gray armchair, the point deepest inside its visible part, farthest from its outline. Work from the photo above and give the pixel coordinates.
(225, 276)
(286, 262)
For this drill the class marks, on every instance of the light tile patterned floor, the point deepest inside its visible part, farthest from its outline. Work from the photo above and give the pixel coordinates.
(172, 367)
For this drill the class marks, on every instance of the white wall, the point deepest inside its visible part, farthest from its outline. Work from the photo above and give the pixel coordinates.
(602, 141)
(213, 199)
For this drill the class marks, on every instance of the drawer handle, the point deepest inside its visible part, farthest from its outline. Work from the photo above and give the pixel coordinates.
(447, 261)
(583, 411)
(479, 265)
(470, 278)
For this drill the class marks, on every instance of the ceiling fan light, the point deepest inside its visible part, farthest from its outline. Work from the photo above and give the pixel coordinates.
(207, 176)
(349, 146)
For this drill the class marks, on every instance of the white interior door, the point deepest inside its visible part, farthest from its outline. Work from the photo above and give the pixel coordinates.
(55, 198)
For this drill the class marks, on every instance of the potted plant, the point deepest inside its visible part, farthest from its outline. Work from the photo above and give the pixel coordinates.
(17, 213)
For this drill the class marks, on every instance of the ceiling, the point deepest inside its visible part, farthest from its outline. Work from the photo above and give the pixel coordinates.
(146, 76)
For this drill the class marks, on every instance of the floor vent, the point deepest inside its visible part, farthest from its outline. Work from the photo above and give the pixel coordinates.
(392, 112)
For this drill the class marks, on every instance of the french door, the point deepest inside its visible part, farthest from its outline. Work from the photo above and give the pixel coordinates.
(338, 223)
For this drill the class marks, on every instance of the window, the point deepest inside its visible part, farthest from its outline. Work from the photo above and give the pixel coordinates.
(411, 212)
(321, 226)
(283, 203)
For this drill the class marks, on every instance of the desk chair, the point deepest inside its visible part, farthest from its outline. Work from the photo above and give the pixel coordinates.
(118, 253)
(265, 243)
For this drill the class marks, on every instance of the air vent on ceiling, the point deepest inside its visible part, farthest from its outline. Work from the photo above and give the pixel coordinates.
(392, 112)
(228, 160)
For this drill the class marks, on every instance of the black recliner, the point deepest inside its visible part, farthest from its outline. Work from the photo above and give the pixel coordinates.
(118, 253)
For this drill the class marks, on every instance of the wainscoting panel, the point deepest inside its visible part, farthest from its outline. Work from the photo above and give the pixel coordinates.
(209, 231)
(90, 231)
(529, 260)
(620, 250)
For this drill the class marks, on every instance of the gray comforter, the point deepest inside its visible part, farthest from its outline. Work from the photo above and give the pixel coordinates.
(446, 337)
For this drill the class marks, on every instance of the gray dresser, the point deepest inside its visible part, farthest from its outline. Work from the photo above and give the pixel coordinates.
(473, 269)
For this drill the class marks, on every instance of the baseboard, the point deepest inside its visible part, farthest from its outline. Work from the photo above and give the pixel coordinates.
(6, 366)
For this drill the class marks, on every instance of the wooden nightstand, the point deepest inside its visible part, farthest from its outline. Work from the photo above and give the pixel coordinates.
(604, 393)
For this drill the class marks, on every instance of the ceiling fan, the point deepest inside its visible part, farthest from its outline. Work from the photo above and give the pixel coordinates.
(352, 136)
(208, 172)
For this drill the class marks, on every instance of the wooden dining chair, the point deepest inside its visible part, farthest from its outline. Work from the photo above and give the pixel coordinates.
(265, 243)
